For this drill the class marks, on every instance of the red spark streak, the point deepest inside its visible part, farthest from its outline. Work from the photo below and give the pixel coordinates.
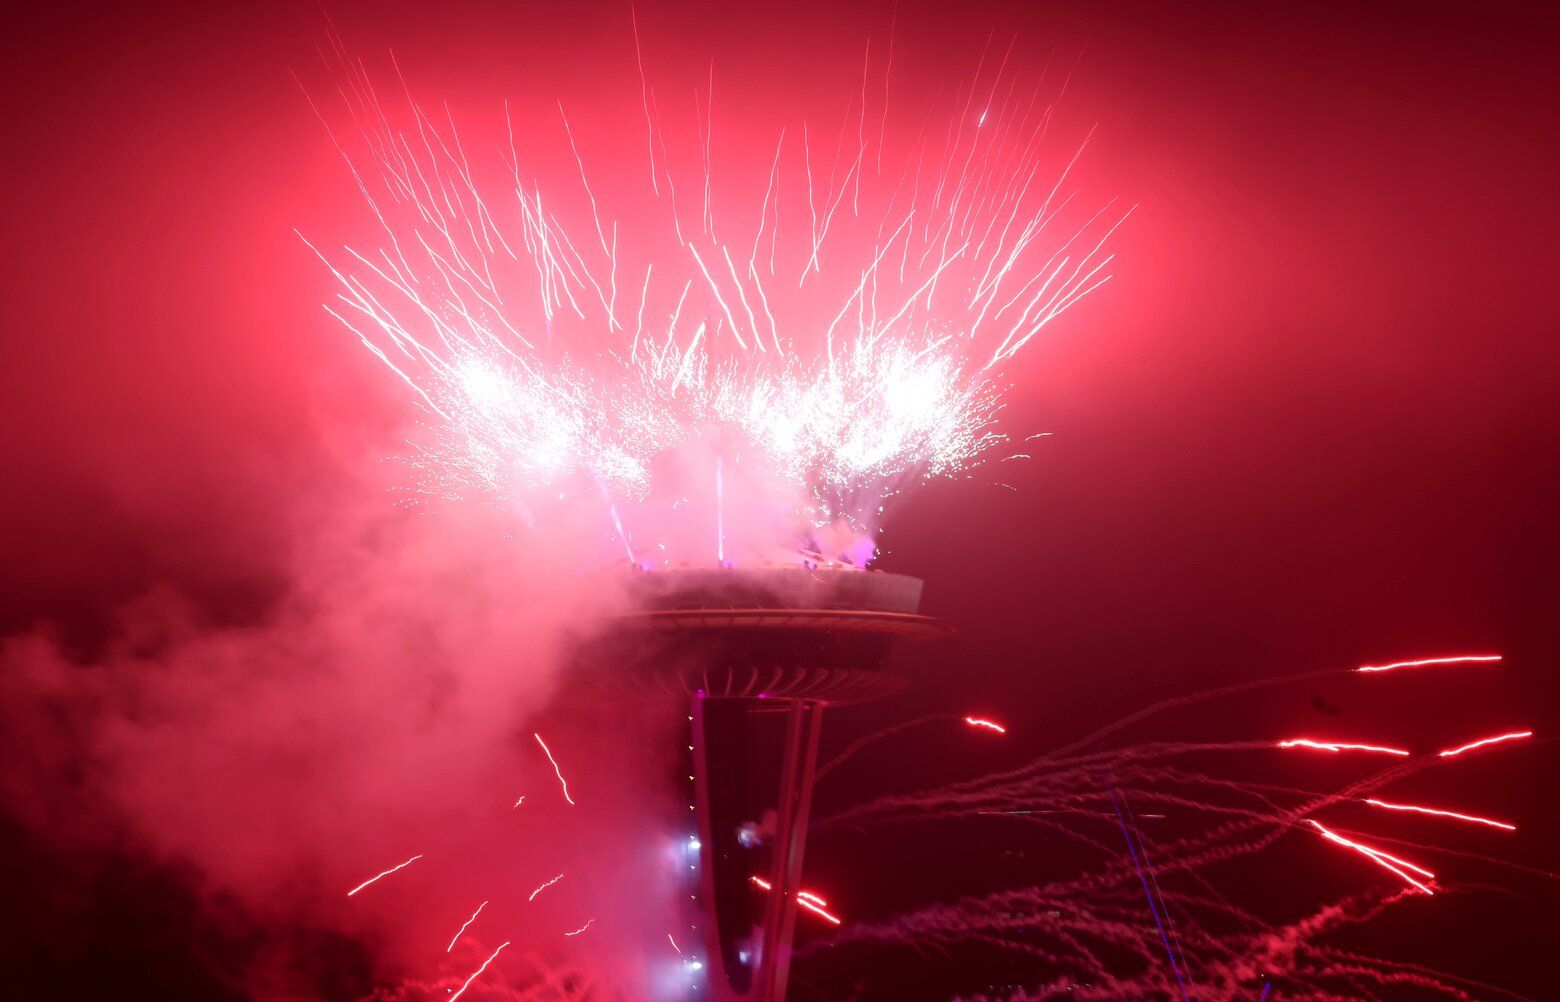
(1456, 660)
(478, 972)
(556, 771)
(463, 928)
(1379, 857)
(672, 941)
(989, 725)
(387, 873)
(544, 887)
(806, 899)
(582, 928)
(1334, 746)
(1513, 736)
(818, 911)
(1444, 814)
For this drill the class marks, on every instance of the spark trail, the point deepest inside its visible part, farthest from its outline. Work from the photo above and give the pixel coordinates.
(1483, 742)
(464, 926)
(1396, 865)
(1458, 659)
(544, 887)
(1471, 818)
(1087, 923)
(1337, 746)
(478, 972)
(806, 899)
(378, 876)
(563, 783)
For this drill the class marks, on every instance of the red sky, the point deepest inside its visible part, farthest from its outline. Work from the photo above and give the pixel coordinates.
(1311, 422)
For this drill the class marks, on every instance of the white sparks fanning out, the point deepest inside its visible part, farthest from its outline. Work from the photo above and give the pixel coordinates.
(837, 350)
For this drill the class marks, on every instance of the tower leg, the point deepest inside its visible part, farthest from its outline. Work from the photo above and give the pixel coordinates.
(747, 933)
(803, 725)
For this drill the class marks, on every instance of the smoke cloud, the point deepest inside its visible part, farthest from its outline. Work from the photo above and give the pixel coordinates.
(383, 707)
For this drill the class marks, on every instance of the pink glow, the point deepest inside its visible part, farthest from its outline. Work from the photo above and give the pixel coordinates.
(988, 724)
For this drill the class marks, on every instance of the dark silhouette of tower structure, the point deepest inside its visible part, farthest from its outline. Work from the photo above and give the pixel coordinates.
(755, 655)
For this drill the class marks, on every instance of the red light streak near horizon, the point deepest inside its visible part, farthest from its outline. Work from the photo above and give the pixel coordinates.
(478, 972)
(988, 724)
(1459, 659)
(587, 925)
(806, 899)
(1497, 739)
(461, 931)
(1444, 814)
(544, 887)
(1335, 746)
(1379, 857)
(387, 873)
(556, 771)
